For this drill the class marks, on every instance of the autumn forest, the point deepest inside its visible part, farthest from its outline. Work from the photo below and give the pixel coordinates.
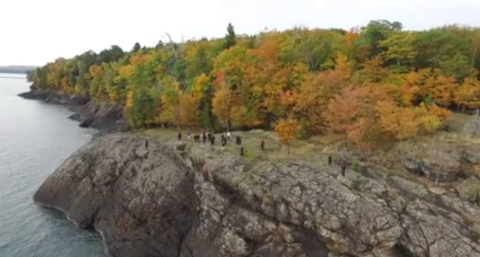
(367, 83)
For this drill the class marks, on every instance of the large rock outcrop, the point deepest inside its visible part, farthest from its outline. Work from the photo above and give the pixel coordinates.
(174, 199)
(104, 116)
(107, 117)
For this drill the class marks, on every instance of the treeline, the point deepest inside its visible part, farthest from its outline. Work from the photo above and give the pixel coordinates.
(369, 82)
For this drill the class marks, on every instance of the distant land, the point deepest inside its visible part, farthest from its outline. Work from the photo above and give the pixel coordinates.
(16, 69)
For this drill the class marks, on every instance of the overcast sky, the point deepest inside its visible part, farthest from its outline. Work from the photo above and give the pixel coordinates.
(34, 32)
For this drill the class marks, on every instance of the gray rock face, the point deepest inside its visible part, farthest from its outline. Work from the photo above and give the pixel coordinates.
(469, 189)
(174, 199)
(104, 116)
(439, 162)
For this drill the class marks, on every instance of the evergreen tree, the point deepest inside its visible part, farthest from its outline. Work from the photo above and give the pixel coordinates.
(230, 37)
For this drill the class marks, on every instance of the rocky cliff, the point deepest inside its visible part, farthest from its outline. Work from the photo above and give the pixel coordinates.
(176, 199)
(104, 116)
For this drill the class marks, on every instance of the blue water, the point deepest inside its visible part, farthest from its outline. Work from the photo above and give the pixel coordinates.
(35, 138)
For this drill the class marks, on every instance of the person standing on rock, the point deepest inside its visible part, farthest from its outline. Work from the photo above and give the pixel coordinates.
(204, 137)
(330, 160)
(188, 134)
(228, 135)
(262, 145)
(179, 136)
(343, 168)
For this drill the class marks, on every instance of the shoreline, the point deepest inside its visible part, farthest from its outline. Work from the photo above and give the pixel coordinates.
(227, 182)
(65, 213)
(105, 117)
(85, 112)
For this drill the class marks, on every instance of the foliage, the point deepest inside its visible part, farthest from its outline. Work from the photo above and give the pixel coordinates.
(221, 104)
(189, 109)
(287, 132)
(356, 165)
(371, 82)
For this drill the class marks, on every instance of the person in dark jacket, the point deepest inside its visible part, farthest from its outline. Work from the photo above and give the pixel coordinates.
(262, 145)
(343, 167)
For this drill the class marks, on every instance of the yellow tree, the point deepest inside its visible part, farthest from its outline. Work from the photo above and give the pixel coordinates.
(169, 99)
(310, 102)
(287, 132)
(400, 48)
(273, 89)
(399, 122)
(64, 84)
(429, 122)
(201, 84)
(221, 104)
(343, 67)
(188, 109)
(96, 85)
(467, 94)
(373, 71)
(332, 81)
(440, 88)
(351, 112)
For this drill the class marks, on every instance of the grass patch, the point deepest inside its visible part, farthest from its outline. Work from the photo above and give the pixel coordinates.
(316, 149)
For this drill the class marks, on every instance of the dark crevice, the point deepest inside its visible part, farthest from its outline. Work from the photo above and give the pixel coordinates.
(400, 250)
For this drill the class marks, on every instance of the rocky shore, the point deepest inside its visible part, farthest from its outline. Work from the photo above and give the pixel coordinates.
(102, 116)
(152, 197)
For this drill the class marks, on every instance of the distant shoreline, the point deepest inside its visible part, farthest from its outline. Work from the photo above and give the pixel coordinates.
(5, 75)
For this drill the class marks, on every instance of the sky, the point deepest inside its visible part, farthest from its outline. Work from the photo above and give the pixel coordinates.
(34, 32)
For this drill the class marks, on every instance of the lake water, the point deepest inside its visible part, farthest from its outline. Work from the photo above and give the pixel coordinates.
(35, 138)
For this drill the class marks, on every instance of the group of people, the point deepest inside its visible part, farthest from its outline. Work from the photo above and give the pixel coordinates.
(238, 140)
(224, 139)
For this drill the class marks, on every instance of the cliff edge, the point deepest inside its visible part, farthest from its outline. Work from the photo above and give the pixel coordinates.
(175, 199)
(107, 117)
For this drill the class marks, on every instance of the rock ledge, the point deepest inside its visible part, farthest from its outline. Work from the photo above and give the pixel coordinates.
(152, 198)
